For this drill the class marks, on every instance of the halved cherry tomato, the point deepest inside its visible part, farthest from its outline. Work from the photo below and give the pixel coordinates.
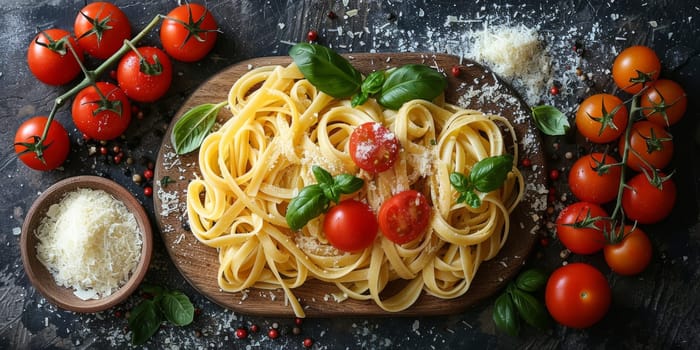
(350, 226)
(577, 295)
(373, 147)
(145, 78)
(664, 102)
(601, 118)
(650, 146)
(631, 255)
(581, 227)
(188, 32)
(404, 217)
(50, 59)
(593, 179)
(98, 118)
(101, 29)
(635, 67)
(647, 203)
(54, 149)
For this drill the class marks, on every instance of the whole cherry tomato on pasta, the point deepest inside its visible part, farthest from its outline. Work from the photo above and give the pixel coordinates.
(404, 217)
(350, 225)
(373, 147)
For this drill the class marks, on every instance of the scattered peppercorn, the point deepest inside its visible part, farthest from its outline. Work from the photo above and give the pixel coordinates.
(148, 191)
(103, 151)
(554, 90)
(554, 174)
(148, 174)
(308, 342)
(298, 321)
(254, 328)
(273, 333)
(296, 330)
(526, 162)
(312, 36)
(241, 333)
(137, 179)
(456, 71)
(332, 15)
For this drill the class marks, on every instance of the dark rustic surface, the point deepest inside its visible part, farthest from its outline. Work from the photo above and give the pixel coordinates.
(657, 309)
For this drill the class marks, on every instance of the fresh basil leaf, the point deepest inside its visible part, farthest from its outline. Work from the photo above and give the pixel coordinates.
(308, 204)
(530, 309)
(190, 130)
(550, 120)
(410, 82)
(489, 173)
(322, 175)
(359, 99)
(373, 83)
(459, 181)
(144, 321)
(505, 316)
(347, 183)
(326, 70)
(472, 199)
(531, 280)
(177, 308)
(330, 191)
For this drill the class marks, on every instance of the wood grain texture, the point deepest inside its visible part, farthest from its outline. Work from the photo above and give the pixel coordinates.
(199, 264)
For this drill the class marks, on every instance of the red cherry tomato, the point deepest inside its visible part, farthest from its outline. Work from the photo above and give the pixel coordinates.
(589, 183)
(98, 119)
(50, 59)
(145, 82)
(101, 29)
(635, 67)
(650, 143)
(404, 217)
(188, 32)
(646, 203)
(54, 149)
(373, 147)
(601, 118)
(664, 103)
(350, 226)
(577, 295)
(631, 255)
(581, 227)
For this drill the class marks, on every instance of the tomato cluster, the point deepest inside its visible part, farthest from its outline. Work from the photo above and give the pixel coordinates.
(632, 183)
(101, 110)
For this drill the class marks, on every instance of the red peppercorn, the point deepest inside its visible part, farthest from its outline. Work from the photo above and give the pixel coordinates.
(308, 342)
(526, 162)
(544, 241)
(332, 15)
(148, 174)
(312, 36)
(554, 90)
(117, 159)
(148, 191)
(254, 328)
(554, 174)
(241, 333)
(113, 74)
(298, 321)
(456, 71)
(103, 150)
(273, 333)
(118, 314)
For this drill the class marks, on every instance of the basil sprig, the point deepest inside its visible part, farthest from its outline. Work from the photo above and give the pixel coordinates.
(486, 175)
(550, 120)
(190, 130)
(335, 76)
(517, 303)
(314, 200)
(166, 305)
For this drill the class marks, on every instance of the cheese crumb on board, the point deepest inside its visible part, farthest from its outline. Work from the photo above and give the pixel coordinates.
(89, 241)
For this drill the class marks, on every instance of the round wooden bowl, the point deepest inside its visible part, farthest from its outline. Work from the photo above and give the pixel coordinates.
(42, 279)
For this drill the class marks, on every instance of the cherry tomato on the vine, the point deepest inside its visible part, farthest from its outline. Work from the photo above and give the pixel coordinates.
(664, 102)
(601, 118)
(52, 152)
(404, 217)
(594, 178)
(581, 227)
(577, 295)
(650, 146)
(350, 225)
(188, 32)
(631, 255)
(50, 59)
(647, 203)
(145, 81)
(373, 147)
(98, 118)
(635, 67)
(101, 29)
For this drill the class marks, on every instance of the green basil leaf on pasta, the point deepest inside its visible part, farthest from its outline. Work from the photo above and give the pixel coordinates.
(326, 70)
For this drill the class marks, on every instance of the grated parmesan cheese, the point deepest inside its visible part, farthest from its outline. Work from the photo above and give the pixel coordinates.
(90, 242)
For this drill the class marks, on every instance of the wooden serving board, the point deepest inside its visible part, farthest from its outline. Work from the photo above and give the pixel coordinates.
(476, 88)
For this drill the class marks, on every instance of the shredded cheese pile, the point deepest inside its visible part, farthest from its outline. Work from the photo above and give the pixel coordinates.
(90, 242)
